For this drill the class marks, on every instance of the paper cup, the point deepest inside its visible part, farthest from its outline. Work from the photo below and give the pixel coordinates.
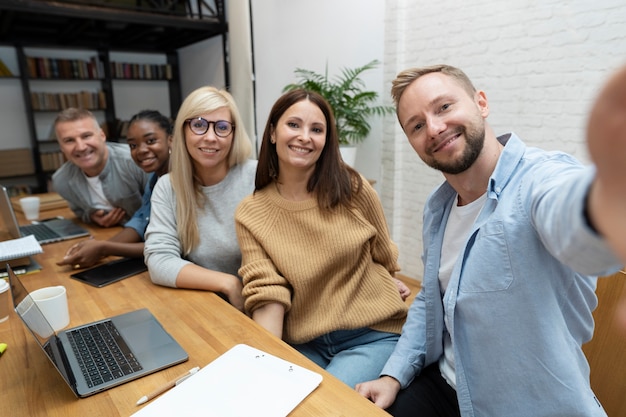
(30, 207)
(52, 302)
(4, 300)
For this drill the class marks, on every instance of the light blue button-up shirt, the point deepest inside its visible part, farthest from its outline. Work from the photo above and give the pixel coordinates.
(520, 295)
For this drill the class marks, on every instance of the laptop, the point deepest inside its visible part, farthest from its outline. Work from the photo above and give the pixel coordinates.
(139, 344)
(49, 231)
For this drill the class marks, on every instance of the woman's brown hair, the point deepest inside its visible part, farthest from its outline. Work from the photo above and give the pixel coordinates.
(333, 181)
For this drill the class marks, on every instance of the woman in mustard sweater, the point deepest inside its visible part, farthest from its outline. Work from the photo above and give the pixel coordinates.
(317, 259)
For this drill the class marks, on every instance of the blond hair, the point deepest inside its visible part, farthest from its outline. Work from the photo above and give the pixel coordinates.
(185, 181)
(406, 77)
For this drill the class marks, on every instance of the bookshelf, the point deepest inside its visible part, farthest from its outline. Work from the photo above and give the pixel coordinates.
(113, 85)
(16, 162)
(144, 79)
(143, 38)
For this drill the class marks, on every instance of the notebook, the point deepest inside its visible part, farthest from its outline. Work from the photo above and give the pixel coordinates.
(45, 232)
(144, 346)
(242, 382)
(18, 252)
(17, 248)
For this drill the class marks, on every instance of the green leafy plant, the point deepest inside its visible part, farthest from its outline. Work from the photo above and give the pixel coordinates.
(346, 94)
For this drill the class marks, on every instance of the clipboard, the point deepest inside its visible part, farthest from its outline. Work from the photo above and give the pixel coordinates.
(242, 382)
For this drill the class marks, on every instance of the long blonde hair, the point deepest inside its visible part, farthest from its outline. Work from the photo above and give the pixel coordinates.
(185, 181)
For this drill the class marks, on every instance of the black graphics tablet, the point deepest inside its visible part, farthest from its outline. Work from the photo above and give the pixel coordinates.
(111, 272)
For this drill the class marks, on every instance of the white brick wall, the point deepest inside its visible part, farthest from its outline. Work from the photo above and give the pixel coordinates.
(539, 62)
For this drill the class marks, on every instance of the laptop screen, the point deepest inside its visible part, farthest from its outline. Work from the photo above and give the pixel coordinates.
(8, 216)
(37, 324)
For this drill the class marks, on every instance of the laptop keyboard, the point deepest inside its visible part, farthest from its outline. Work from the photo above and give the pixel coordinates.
(102, 353)
(40, 231)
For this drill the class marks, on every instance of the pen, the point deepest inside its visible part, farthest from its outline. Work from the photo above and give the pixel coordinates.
(167, 386)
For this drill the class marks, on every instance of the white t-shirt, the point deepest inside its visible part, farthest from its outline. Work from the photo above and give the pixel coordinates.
(458, 227)
(97, 194)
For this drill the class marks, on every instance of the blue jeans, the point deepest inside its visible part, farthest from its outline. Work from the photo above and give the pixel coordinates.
(352, 356)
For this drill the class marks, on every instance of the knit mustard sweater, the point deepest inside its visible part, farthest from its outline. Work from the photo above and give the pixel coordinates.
(331, 271)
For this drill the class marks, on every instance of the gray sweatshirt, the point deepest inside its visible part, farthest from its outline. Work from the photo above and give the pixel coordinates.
(218, 248)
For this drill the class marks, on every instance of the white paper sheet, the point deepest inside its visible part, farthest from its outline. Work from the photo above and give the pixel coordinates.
(243, 382)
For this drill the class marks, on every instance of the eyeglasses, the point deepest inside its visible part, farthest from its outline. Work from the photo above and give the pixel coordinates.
(200, 126)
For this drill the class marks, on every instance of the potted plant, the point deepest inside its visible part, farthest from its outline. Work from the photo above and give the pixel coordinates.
(352, 104)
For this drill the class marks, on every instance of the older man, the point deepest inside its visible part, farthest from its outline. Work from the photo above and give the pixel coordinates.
(100, 181)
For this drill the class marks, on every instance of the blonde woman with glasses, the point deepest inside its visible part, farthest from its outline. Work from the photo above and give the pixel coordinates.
(191, 240)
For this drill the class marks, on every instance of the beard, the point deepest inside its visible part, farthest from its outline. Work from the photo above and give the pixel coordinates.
(474, 140)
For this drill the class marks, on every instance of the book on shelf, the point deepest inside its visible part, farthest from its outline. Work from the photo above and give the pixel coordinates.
(4, 70)
(58, 101)
(102, 100)
(31, 64)
(16, 162)
(43, 67)
(51, 161)
(122, 128)
(19, 190)
(131, 71)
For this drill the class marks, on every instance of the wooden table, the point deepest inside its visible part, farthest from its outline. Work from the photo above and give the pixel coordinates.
(204, 324)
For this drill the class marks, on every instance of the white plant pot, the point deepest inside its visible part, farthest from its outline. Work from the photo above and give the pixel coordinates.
(348, 154)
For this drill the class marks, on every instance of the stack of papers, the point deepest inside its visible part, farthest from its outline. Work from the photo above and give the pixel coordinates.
(243, 382)
(33, 266)
(47, 201)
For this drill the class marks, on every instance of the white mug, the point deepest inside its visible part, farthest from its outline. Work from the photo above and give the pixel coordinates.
(52, 302)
